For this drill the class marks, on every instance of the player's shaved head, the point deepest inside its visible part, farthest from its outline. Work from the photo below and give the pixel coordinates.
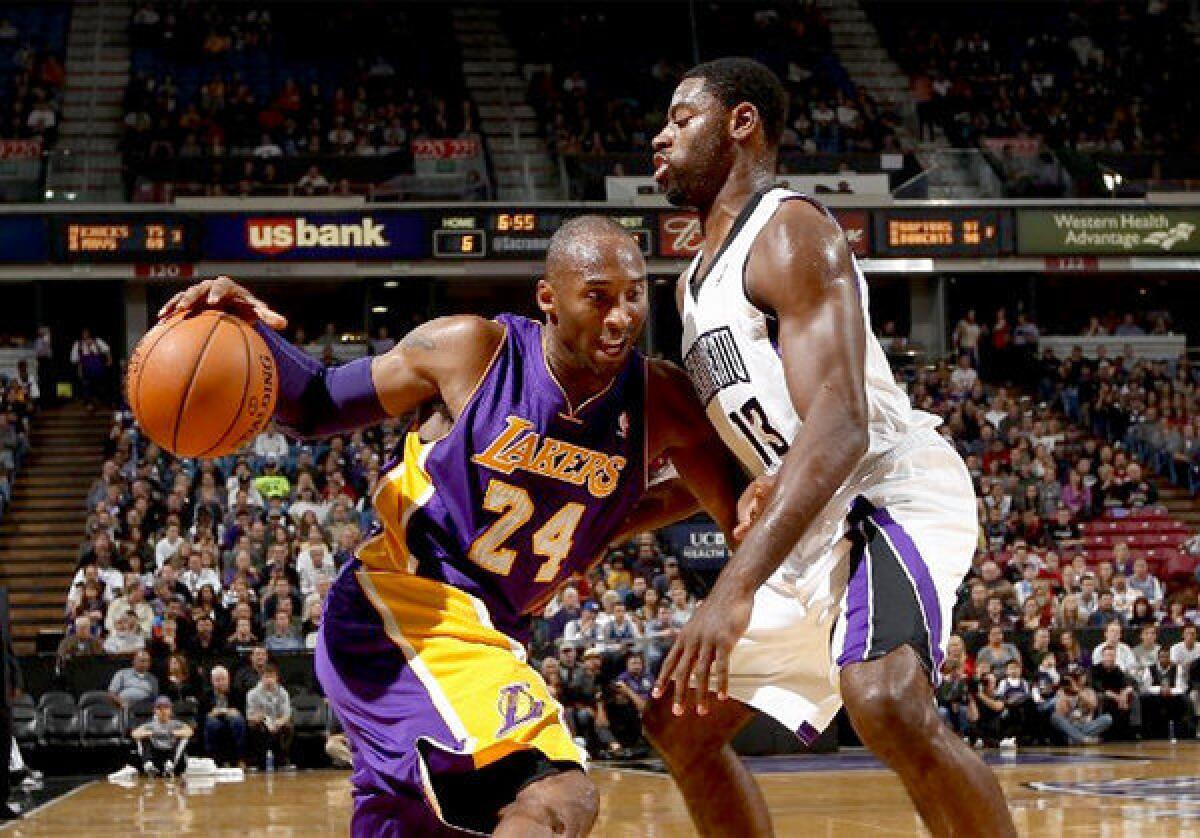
(585, 244)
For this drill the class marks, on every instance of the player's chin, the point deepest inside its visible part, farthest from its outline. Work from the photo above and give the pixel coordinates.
(676, 196)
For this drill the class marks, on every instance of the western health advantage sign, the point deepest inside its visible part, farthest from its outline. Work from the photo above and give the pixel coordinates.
(1119, 232)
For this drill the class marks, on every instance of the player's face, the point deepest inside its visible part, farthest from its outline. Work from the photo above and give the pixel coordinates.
(599, 306)
(693, 152)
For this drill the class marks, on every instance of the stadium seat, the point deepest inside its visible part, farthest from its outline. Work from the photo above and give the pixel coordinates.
(55, 697)
(24, 720)
(59, 724)
(310, 714)
(187, 711)
(97, 697)
(138, 714)
(102, 725)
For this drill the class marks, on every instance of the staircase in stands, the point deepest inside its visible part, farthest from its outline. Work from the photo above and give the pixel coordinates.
(860, 51)
(42, 531)
(87, 162)
(522, 166)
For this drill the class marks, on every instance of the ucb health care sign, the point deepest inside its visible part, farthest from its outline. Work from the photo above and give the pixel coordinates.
(680, 237)
(698, 543)
(1117, 232)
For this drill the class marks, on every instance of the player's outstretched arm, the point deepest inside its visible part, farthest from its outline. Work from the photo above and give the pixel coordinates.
(800, 270)
(443, 358)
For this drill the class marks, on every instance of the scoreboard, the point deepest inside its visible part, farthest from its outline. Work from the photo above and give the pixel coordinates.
(521, 233)
(132, 238)
(159, 237)
(949, 232)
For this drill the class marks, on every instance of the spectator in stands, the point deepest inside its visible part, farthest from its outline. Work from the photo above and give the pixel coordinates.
(248, 676)
(126, 638)
(282, 636)
(585, 706)
(964, 378)
(1105, 613)
(179, 684)
(161, 742)
(312, 182)
(997, 653)
(313, 564)
(1145, 583)
(132, 600)
(1117, 691)
(585, 631)
(92, 359)
(1076, 710)
(224, 724)
(620, 633)
(1122, 654)
(80, 641)
(1164, 697)
(972, 615)
(134, 683)
(631, 692)
(269, 714)
(1145, 653)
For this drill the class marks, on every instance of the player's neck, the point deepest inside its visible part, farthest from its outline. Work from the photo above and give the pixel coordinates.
(745, 180)
(578, 381)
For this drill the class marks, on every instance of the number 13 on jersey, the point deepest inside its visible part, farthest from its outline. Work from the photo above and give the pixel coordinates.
(751, 420)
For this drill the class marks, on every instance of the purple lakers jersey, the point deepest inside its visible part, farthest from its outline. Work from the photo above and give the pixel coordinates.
(524, 490)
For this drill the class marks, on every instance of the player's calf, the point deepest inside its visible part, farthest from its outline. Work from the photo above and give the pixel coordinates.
(890, 702)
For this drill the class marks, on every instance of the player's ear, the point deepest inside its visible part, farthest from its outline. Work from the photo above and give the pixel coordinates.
(546, 300)
(743, 119)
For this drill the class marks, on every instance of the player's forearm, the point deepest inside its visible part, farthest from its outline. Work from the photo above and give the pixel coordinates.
(314, 400)
(822, 457)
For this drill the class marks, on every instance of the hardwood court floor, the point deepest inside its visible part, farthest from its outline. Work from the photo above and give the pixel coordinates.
(804, 802)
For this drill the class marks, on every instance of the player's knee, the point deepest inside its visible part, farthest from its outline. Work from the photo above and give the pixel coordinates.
(565, 804)
(887, 707)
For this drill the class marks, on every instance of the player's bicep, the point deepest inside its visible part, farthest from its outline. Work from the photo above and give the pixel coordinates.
(822, 349)
(442, 358)
(801, 271)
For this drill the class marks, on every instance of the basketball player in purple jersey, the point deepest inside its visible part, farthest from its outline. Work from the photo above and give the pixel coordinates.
(420, 650)
(841, 591)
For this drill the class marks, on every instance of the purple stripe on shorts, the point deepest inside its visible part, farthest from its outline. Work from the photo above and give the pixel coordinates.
(919, 572)
(858, 609)
(807, 734)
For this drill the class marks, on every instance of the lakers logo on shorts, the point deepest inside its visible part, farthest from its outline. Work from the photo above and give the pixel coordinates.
(517, 706)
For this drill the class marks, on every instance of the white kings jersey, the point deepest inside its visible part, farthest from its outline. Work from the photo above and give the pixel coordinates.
(730, 353)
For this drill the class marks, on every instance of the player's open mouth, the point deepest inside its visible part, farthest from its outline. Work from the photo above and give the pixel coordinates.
(613, 350)
(660, 168)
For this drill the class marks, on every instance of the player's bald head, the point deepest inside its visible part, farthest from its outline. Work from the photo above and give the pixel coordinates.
(588, 244)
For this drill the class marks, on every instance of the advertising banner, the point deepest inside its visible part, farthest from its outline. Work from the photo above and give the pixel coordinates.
(680, 237)
(1099, 232)
(316, 236)
(698, 543)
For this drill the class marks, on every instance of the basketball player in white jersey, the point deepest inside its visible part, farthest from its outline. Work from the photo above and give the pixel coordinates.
(841, 592)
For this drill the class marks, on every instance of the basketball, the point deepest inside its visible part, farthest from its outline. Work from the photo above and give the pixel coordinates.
(201, 385)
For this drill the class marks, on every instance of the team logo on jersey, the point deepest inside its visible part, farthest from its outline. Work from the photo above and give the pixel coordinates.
(714, 363)
(517, 706)
(623, 425)
(518, 446)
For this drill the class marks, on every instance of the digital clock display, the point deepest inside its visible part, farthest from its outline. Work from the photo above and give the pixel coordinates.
(90, 238)
(942, 233)
(459, 244)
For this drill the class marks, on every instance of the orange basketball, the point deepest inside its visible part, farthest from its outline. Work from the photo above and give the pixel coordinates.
(201, 384)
